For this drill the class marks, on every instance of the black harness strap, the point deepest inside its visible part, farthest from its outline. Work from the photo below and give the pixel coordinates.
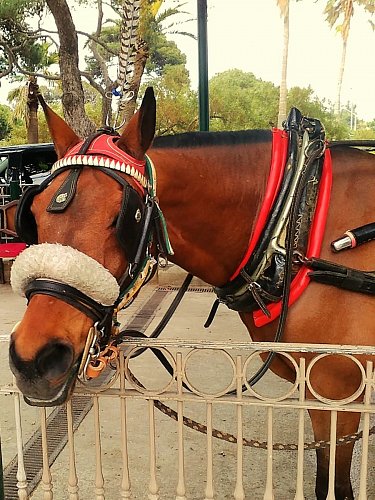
(125, 334)
(66, 192)
(97, 312)
(329, 273)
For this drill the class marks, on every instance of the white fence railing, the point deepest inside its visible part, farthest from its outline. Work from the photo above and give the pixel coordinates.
(124, 448)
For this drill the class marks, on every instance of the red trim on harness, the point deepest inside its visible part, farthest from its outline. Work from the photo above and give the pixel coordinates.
(278, 160)
(105, 146)
(301, 280)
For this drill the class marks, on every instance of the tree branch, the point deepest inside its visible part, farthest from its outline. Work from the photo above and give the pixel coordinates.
(98, 41)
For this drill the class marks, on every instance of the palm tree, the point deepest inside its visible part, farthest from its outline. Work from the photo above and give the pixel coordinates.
(26, 108)
(339, 13)
(284, 9)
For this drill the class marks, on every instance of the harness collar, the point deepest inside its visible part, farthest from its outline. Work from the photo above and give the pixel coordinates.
(278, 160)
(257, 284)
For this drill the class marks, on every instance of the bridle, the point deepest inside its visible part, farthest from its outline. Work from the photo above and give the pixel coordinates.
(151, 239)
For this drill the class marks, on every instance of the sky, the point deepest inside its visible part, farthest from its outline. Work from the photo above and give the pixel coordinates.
(248, 34)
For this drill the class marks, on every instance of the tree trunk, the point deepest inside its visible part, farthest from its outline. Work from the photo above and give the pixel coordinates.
(128, 107)
(73, 97)
(284, 68)
(32, 115)
(341, 77)
(106, 107)
(345, 28)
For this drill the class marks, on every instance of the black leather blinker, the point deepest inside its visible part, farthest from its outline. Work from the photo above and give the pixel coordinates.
(130, 222)
(25, 224)
(66, 192)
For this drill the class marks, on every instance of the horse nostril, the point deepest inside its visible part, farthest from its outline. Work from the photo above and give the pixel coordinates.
(54, 360)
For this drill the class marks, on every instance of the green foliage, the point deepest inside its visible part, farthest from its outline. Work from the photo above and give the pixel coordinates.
(52, 95)
(339, 13)
(309, 105)
(5, 125)
(17, 9)
(366, 133)
(18, 133)
(163, 52)
(239, 100)
(177, 104)
(17, 33)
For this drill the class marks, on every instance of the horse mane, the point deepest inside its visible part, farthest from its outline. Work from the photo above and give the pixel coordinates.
(225, 138)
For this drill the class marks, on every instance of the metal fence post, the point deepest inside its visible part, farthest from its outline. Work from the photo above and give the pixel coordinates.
(2, 494)
(204, 116)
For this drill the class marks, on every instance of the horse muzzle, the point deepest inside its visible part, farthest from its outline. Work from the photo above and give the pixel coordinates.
(49, 378)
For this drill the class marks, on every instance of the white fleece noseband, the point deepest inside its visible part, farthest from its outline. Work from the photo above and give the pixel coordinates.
(66, 265)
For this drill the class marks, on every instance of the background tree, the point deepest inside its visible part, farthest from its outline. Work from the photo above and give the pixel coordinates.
(5, 122)
(151, 50)
(309, 105)
(72, 90)
(284, 9)
(103, 43)
(339, 14)
(177, 102)
(240, 100)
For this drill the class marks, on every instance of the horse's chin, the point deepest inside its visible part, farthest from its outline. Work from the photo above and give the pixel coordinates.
(63, 393)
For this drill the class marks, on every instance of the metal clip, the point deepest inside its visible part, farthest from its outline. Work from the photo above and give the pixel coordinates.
(90, 352)
(299, 258)
(162, 260)
(255, 289)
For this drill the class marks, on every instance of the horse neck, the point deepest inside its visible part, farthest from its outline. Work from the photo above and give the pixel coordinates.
(210, 197)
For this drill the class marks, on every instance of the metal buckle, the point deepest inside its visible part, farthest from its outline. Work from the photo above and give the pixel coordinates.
(90, 352)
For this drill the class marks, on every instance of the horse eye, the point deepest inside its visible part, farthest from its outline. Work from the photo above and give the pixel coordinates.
(114, 222)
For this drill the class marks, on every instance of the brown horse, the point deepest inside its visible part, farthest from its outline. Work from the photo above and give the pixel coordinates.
(210, 188)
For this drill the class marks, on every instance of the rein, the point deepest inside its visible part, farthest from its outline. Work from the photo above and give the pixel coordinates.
(230, 438)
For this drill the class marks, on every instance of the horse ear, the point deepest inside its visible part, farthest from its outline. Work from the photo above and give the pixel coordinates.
(139, 132)
(64, 138)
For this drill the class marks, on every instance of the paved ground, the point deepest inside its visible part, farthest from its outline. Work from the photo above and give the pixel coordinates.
(187, 324)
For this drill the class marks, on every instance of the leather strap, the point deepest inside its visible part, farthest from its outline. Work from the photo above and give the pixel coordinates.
(347, 278)
(100, 314)
(66, 192)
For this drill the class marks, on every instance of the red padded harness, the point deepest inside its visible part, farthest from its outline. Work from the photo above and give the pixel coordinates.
(301, 280)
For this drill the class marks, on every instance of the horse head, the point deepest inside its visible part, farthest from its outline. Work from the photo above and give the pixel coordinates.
(78, 262)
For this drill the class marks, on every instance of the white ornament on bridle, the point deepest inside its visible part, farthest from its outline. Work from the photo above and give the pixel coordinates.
(99, 161)
(66, 265)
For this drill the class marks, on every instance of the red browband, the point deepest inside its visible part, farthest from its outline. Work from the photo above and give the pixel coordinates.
(103, 152)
